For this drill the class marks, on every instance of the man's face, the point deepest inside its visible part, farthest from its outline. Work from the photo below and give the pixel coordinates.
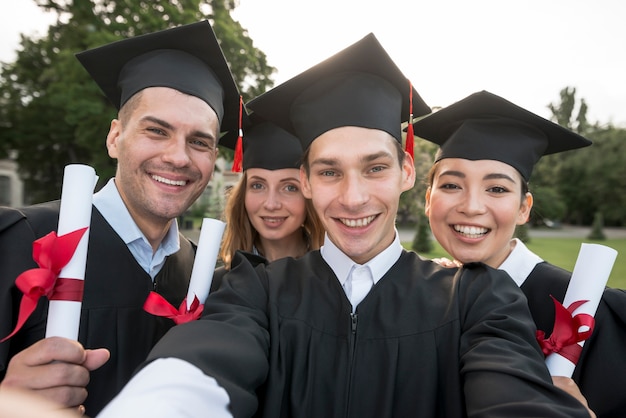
(165, 150)
(355, 182)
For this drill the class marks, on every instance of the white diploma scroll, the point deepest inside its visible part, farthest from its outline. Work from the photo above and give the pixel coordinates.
(204, 263)
(79, 182)
(591, 273)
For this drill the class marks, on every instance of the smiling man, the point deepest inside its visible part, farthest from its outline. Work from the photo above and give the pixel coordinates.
(175, 94)
(360, 328)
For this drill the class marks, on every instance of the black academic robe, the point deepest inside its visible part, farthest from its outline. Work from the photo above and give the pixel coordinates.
(425, 342)
(112, 309)
(601, 369)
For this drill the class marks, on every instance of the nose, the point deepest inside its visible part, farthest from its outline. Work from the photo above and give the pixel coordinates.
(272, 202)
(176, 152)
(471, 204)
(354, 192)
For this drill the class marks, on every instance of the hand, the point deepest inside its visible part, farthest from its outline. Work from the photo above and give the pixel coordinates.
(446, 262)
(568, 385)
(55, 368)
(16, 403)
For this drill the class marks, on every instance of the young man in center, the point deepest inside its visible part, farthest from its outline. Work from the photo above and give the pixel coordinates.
(360, 328)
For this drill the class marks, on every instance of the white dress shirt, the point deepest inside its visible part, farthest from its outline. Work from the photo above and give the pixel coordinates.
(520, 263)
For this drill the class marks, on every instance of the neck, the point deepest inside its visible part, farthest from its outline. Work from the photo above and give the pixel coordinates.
(295, 246)
(154, 233)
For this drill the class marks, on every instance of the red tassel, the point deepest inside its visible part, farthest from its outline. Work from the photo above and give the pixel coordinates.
(237, 162)
(238, 159)
(410, 140)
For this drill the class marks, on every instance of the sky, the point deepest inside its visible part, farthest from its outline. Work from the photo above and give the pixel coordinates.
(525, 51)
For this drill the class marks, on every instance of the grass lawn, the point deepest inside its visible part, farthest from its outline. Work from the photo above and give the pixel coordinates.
(563, 253)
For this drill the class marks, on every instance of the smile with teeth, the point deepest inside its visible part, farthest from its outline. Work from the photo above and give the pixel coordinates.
(168, 181)
(470, 231)
(273, 219)
(357, 223)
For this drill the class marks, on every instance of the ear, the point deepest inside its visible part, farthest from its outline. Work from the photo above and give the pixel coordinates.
(524, 210)
(408, 172)
(304, 184)
(115, 132)
(427, 202)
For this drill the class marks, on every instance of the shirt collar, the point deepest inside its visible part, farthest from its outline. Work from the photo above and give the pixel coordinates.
(110, 204)
(342, 265)
(520, 262)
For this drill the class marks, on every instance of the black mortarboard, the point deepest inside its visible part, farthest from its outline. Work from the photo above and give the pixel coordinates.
(187, 58)
(484, 126)
(265, 145)
(359, 86)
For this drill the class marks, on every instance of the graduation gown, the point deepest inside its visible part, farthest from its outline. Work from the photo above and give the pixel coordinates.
(426, 341)
(116, 287)
(601, 369)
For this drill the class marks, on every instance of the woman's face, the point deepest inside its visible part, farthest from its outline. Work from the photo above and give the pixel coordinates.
(274, 202)
(474, 206)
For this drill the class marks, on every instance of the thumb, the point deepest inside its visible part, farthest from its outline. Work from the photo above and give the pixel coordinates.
(96, 358)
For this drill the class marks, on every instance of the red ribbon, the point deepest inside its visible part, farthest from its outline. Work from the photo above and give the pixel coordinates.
(156, 304)
(51, 253)
(566, 335)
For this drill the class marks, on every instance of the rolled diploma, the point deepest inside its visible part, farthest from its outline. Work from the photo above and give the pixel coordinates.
(591, 272)
(209, 243)
(79, 182)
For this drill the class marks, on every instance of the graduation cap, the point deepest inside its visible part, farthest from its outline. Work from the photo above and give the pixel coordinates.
(359, 86)
(187, 58)
(264, 145)
(484, 126)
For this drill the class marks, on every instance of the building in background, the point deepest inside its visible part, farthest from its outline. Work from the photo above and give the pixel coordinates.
(11, 186)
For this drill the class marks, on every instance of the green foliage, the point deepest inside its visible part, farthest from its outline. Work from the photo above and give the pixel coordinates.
(548, 204)
(563, 113)
(412, 201)
(572, 186)
(521, 232)
(423, 242)
(52, 113)
(597, 232)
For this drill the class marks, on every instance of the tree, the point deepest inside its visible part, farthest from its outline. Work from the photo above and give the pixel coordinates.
(579, 183)
(597, 232)
(422, 242)
(52, 114)
(563, 113)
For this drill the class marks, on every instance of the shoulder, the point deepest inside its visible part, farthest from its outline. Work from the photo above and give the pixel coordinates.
(479, 281)
(43, 217)
(9, 217)
(38, 219)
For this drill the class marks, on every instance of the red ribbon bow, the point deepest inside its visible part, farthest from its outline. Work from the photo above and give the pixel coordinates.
(51, 253)
(566, 335)
(156, 304)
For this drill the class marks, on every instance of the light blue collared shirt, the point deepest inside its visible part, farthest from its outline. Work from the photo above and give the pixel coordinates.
(110, 204)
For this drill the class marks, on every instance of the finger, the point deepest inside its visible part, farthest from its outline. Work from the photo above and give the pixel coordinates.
(66, 396)
(58, 374)
(53, 349)
(96, 358)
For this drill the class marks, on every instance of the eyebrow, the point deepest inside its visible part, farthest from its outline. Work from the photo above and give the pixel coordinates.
(365, 159)
(282, 180)
(490, 176)
(168, 125)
